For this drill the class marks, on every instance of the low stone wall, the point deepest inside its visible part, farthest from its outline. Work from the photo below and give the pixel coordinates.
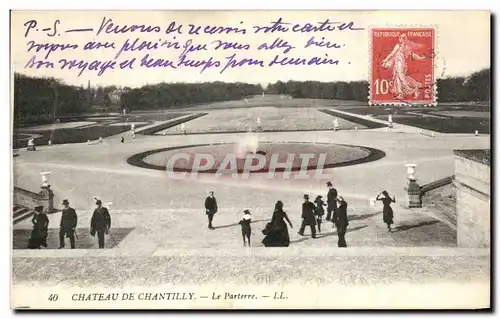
(30, 199)
(152, 130)
(440, 198)
(437, 189)
(472, 183)
(475, 164)
(355, 119)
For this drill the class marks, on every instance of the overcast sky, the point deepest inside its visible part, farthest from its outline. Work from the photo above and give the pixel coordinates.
(462, 44)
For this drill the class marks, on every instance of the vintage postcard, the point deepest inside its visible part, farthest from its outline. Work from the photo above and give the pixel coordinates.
(250, 159)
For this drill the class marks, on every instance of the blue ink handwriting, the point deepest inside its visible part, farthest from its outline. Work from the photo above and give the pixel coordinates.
(80, 30)
(278, 43)
(173, 29)
(91, 45)
(190, 47)
(34, 64)
(322, 43)
(196, 29)
(137, 45)
(183, 61)
(232, 62)
(48, 48)
(107, 26)
(275, 26)
(229, 45)
(322, 26)
(156, 63)
(83, 65)
(32, 24)
(286, 61)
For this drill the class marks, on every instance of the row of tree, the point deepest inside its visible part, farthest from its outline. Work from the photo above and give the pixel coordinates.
(171, 95)
(36, 99)
(475, 87)
(357, 91)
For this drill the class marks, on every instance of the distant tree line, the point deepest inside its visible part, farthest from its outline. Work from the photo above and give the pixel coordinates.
(38, 99)
(475, 87)
(357, 90)
(171, 95)
(45, 99)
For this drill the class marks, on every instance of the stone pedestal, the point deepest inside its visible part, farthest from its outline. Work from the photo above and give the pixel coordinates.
(47, 196)
(413, 195)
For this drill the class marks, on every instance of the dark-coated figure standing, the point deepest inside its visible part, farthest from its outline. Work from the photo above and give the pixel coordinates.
(211, 209)
(39, 233)
(320, 211)
(246, 228)
(276, 231)
(388, 214)
(331, 200)
(341, 221)
(100, 222)
(68, 224)
(308, 217)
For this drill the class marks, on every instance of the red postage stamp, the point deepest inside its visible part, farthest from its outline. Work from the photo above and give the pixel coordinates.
(402, 66)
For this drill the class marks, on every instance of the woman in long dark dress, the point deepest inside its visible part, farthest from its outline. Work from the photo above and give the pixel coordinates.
(276, 231)
(40, 229)
(387, 212)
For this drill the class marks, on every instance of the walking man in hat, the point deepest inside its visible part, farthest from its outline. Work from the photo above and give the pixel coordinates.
(67, 225)
(100, 222)
(331, 200)
(308, 217)
(341, 221)
(211, 208)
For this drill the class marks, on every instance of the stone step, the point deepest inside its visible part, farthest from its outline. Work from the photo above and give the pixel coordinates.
(22, 216)
(19, 211)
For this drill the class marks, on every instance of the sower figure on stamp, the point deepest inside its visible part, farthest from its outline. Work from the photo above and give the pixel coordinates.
(340, 221)
(308, 217)
(246, 228)
(320, 211)
(403, 85)
(40, 229)
(67, 226)
(331, 199)
(211, 208)
(100, 222)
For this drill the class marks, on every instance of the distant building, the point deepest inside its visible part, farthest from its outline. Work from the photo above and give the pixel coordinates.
(115, 96)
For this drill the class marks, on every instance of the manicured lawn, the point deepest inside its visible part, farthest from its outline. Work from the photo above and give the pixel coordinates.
(74, 135)
(67, 133)
(479, 155)
(448, 125)
(273, 119)
(459, 118)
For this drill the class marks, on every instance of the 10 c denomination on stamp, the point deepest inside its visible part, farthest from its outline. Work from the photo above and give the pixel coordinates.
(402, 66)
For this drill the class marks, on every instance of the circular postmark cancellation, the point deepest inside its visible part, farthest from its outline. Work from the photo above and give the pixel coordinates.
(403, 66)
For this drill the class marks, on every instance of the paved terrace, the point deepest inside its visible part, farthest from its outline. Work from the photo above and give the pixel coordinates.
(169, 242)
